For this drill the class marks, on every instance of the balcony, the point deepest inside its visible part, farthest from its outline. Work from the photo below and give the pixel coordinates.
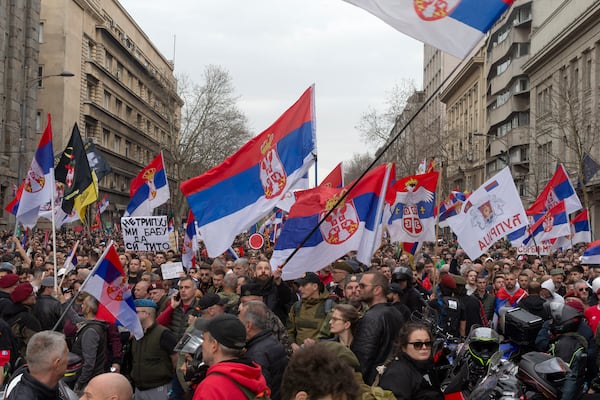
(516, 35)
(502, 81)
(514, 103)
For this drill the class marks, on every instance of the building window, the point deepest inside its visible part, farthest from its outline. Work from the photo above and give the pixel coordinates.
(117, 147)
(38, 122)
(40, 75)
(118, 107)
(128, 111)
(105, 137)
(119, 71)
(91, 91)
(107, 100)
(127, 148)
(90, 50)
(108, 61)
(41, 33)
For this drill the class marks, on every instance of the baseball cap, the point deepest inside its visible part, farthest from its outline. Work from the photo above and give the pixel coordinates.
(211, 299)
(47, 282)
(343, 266)
(308, 277)
(226, 329)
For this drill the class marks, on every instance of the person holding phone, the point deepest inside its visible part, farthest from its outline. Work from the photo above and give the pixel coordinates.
(183, 302)
(407, 373)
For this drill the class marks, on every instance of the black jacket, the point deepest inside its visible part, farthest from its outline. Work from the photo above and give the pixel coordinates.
(278, 298)
(407, 381)
(374, 338)
(28, 325)
(265, 350)
(48, 310)
(30, 388)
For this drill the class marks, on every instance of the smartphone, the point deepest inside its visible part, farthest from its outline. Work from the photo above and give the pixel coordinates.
(177, 297)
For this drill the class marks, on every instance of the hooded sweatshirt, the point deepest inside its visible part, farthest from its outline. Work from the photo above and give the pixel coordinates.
(223, 380)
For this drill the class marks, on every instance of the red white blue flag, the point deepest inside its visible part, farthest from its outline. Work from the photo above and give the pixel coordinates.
(355, 224)
(490, 213)
(554, 223)
(107, 283)
(39, 182)
(580, 232)
(335, 178)
(453, 26)
(234, 195)
(149, 189)
(190, 243)
(103, 204)
(558, 188)
(591, 255)
(409, 215)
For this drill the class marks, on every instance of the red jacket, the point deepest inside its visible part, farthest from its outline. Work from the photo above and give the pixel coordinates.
(219, 382)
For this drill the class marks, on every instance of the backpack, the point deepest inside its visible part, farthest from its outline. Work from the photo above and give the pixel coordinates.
(449, 319)
(569, 347)
(327, 307)
(250, 395)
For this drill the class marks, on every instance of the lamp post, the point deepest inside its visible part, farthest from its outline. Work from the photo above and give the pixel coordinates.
(507, 152)
(27, 84)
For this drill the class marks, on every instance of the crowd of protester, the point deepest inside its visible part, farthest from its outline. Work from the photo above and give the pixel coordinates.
(258, 333)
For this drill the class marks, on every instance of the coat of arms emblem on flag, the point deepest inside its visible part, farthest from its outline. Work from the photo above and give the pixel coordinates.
(433, 10)
(272, 171)
(342, 223)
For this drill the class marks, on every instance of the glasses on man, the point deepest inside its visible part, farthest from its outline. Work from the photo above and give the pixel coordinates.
(420, 345)
(581, 289)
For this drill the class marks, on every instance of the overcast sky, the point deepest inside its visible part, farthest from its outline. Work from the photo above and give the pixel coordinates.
(275, 49)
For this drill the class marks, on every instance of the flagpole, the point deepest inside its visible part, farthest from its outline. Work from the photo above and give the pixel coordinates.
(438, 189)
(374, 162)
(52, 193)
(75, 295)
(379, 212)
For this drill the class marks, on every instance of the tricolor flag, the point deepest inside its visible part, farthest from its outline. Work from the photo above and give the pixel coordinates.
(171, 225)
(39, 183)
(450, 207)
(107, 283)
(591, 255)
(355, 224)
(580, 232)
(554, 223)
(103, 204)
(190, 243)
(410, 204)
(558, 188)
(491, 212)
(149, 189)
(335, 178)
(453, 26)
(71, 261)
(246, 187)
(13, 206)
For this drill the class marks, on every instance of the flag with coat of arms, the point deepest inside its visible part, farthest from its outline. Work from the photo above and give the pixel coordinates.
(490, 213)
(107, 283)
(149, 189)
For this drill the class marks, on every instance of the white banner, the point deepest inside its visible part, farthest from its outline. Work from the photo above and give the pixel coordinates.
(542, 249)
(490, 213)
(145, 233)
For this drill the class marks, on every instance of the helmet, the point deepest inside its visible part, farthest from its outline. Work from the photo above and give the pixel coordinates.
(402, 274)
(482, 344)
(564, 318)
(596, 285)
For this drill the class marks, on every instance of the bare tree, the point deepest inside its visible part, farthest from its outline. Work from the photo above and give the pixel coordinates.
(566, 128)
(212, 126)
(375, 125)
(356, 166)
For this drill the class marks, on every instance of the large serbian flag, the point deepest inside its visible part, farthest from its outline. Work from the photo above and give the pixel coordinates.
(246, 187)
(591, 255)
(558, 188)
(149, 189)
(490, 213)
(190, 243)
(38, 185)
(453, 26)
(355, 224)
(107, 283)
(409, 215)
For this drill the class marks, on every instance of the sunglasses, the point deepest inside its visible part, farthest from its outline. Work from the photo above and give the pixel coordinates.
(582, 289)
(420, 345)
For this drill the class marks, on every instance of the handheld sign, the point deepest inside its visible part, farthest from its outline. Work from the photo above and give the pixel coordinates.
(145, 233)
(256, 241)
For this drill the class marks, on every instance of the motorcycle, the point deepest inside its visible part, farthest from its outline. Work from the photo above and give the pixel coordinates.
(542, 375)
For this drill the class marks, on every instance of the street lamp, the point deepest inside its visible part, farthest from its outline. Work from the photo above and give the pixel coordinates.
(501, 140)
(27, 84)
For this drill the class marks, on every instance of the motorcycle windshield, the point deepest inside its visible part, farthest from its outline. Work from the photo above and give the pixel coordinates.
(190, 342)
(552, 366)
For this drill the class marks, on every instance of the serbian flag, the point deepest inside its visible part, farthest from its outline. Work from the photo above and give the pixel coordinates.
(71, 261)
(591, 255)
(450, 207)
(490, 213)
(171, 226)
(554, 223)
(558, 188)
(13, 206)
(246, 187)
(410, 205)
(453, 26)
(190, 243)
(107, 283)
(149, 189)
(335, 179)
(103, 204)
(410, 248)
(355, 224)
(39, 182)
(580, 232)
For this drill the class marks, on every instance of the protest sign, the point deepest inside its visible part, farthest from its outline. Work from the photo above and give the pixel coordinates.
(145, 233)
(172, 270)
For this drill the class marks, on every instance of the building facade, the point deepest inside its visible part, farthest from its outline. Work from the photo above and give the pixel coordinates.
(123, 95)
(19, 46)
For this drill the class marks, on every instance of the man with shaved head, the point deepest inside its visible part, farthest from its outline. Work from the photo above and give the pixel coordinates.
(108, 386)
